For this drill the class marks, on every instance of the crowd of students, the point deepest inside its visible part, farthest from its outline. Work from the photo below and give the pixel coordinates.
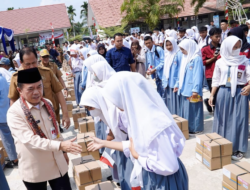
(134, 119)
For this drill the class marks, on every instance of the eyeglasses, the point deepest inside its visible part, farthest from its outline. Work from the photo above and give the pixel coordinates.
(45, 57)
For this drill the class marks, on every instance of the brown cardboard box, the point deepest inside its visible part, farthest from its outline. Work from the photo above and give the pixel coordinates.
(206, 137)
(215, 163)
(225, 186)
(69, 105)
(186, 134)
(107, 185)
(95, 154)
(83, 139)
(86, 124)
(183, 123)
(88, 172)
(83, 187)
(231, 171)
(76, 124)
(70, 82)
(68, 99)
(1, 143)
(70, 113)
(5, 153)
(1, 156)
(219, 147)
(81, 160)
(78, 113)
(71, 92)
(175, 116)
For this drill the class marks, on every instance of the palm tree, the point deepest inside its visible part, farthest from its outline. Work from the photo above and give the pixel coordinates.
(10, 8)
(198, 4)
(71, 13)
(84, 11)
(150, 11)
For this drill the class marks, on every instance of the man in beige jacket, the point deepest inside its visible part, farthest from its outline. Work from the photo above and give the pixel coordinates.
(39, 144)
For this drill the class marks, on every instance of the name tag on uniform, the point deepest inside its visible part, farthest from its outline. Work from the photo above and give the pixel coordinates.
(242, 67)
(239, 75)
(53, 133)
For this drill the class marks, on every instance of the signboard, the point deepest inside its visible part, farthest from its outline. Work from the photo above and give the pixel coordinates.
(48, 35)
(42, 42)
(216, 21)
(135, 30)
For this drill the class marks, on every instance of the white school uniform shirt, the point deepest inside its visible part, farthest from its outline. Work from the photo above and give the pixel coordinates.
(77, 64)
(224, 35)
(203, 42)
(159, 39)
(92, 46)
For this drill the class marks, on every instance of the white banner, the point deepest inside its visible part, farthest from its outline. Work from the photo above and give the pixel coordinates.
(135, 30)
(48, 35)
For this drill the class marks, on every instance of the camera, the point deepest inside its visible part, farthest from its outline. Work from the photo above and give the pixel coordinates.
(217, 50)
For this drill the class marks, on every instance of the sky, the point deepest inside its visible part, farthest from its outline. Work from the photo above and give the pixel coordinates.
(34, 3)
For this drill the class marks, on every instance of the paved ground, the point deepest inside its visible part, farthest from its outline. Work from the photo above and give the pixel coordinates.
(199, 176)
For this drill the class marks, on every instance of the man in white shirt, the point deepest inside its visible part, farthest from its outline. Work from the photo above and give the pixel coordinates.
(224, 28)
(159, 39)
(92, 45)
(204, 39)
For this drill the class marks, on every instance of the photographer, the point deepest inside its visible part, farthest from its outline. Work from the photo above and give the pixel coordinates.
(210, 54)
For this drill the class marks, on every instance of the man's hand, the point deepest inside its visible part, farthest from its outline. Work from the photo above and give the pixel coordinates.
(71, 147)
(66, 121)
(151, 72)
(66, 157)
(175, 89)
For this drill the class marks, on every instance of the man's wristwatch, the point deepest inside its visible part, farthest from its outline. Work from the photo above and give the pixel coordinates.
(65, 89)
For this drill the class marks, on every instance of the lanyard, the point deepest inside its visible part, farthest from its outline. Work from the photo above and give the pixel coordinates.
(228, 84)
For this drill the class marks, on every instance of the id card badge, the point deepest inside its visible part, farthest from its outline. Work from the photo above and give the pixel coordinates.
(53, 133)
(239, 75)
(228, 84)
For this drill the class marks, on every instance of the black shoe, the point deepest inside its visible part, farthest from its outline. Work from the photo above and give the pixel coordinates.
(209, 108)
(110, 178)
(15, 163)
(9, 165)
(118, 184)
(61, 129)
(195, 133)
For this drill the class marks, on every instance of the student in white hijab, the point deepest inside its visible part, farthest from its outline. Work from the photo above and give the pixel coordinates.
(93, 100)
(141, 42)
(156, 141)
(126, 44)
(91, 52)
(231, 73)
(172, 63)
(189, 86)
(190, 34)
(17, 60)
(196, 32)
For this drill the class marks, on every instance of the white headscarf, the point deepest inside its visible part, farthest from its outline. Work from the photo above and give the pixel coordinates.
(166, 32)
(228, 59)
(108, 113)
(6, 74)
(88, 63)
(103, 71)
(248, 29)
(193, 51)
(169, 56)
(144, 108)
(17, 59)
(173, 34)
(126, 43)
(92, 52)
(196, 32)
(190, 34)
(141, 42)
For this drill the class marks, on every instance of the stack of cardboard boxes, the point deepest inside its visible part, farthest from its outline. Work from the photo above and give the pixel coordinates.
(107, 185)
(78, 113)
(86, 171)
(69, 107)
(236, 176)
(83, 139)
(182, 124)
(213, 150)
(86, 124)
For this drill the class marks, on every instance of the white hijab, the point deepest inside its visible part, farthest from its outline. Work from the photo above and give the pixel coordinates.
(228, 59)
(17, 59)
(88, 63)
(103, 71)
(172, 33)
(92, 52)
(249, 29)
(169, 56)
(167, 32)
(126, 43)
(144, 108)
(196, 32)
(108, 113)
(193, 51)
(141, 42)
(190, 34)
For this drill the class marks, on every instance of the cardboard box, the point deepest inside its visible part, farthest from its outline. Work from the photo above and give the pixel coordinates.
(206, 137)
(69, 105)
(83, 139)
(1, 156)
(1, 143)
(5, 153)
(231, 171)
(78, 113)
(225, 186)
(71, 92)
(107, 185)
(212, 163)
(86, 124)
(83, 187)
(76, 125)
(186, 134)
(88, 172)
(68, 99)
(95, 154)
(70, 82)
(182, 123)
(70, 113)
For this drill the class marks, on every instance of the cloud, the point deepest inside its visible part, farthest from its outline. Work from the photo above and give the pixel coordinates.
(75, 3)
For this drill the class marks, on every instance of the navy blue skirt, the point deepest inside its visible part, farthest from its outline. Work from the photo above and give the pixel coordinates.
(176, 181)
(231, 118)
(172, 100)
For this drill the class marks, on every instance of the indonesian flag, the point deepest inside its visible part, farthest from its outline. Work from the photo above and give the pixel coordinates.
(106, 159)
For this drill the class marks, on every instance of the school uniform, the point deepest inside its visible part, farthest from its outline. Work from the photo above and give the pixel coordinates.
(231, 113)
(170, 77)
(191, 80)
(156, 61)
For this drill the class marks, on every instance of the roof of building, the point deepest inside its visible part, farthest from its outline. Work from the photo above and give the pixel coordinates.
(107, 12)
(35, 19)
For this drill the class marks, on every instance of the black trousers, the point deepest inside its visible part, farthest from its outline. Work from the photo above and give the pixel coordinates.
(61, 183)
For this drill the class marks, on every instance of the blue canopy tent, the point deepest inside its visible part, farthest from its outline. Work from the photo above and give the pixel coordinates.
(9, 34)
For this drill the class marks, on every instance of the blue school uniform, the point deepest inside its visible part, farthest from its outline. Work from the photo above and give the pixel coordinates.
(101, 132)
(84, 76)
(193, 81)
(156, 60)
(172, 100)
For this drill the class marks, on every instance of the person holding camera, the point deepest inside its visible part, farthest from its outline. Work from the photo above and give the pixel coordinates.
(210, 54)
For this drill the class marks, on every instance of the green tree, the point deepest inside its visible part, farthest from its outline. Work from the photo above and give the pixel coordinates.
(111, 31)
(150, 11)
(84, 10)
(71, 13)
(10, 8)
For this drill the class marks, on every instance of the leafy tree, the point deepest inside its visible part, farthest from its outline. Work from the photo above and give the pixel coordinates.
(10, 8)
(111, 31)
(84, 10)
(149, 11)
(71, 13)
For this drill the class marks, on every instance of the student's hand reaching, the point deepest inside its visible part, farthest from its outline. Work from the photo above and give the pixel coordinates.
(96, 144)
(132, 149)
